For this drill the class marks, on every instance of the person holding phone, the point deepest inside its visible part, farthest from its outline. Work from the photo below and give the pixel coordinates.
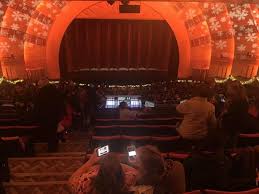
(103, 173)
(153, 171)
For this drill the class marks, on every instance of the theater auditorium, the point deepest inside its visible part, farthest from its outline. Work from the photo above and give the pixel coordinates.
(129, 97)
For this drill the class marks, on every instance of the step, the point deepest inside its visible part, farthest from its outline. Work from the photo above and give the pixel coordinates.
(47, 187)
(61, 154)
(79, 146)
(45, 164)
(39, 177)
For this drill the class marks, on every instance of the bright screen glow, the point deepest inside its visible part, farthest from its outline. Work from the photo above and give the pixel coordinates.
(132, 153)
(103, 150)
(132, 101)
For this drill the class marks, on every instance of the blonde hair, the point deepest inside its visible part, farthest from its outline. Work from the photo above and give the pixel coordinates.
(154, 170)
(152, 164)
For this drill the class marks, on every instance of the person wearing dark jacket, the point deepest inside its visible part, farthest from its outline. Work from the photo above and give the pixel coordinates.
(49, 108)
(235, 119)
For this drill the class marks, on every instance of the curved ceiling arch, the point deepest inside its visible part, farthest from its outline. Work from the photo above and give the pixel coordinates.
(200, 39)
(60, 25)
(18, 47)
(246, 40)
(222, 37)
(35, 54)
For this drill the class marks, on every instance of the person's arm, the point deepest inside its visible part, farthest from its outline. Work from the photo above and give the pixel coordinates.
(178, 178)
(93, 160)
(182, 108)
(212, 122)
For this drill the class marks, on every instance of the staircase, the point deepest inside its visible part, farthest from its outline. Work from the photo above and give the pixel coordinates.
(48, 173)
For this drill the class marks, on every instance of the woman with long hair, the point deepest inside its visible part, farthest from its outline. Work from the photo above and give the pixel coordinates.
(166, 177)
(235, 117)
(103, 175)
(110, 178)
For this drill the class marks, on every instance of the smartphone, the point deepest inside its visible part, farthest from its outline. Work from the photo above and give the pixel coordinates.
(222, 98)
(132, 153)
(182, 101)
(103, 150)
(149, 104)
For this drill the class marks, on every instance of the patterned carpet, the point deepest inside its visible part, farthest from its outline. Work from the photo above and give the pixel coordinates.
(48, 173)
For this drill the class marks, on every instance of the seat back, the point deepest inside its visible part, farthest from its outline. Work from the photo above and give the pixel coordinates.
(107, 130)
(253, 191)
(248, 139)
(194, 192)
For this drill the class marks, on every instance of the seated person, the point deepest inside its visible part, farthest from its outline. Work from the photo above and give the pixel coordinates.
(102, 175)
(126, 113)
(164, 176)
(208, 167)
(199, 115)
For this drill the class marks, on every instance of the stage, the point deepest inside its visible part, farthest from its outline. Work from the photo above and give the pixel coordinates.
(119, 76)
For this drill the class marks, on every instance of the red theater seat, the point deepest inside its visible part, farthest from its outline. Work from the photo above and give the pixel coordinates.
(193, 192)
(136, 138)
(253, 191)
(256, 148)
(106, 138)
(255, 135)
(178, 156)
(169, 138)
(248, 139)
(10, 131)
(167, 143)
(114, 142)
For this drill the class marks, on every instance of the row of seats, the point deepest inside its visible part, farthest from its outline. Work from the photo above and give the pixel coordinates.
(135, 130)
(252, 191)
(153, 121)
(164, 143)
(118, 143)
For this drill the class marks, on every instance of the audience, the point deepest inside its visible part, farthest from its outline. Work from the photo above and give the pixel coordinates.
(106, 174)
(199, 115)
(209, 166)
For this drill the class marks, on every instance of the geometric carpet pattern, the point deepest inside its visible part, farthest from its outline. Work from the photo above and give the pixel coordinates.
(47, 173)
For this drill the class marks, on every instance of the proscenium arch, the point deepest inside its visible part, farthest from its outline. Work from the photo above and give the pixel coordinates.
(72, 9)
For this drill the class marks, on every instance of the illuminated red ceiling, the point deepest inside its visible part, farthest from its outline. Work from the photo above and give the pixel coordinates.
(221, 38)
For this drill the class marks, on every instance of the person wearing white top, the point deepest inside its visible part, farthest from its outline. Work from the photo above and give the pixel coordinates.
(126, 113)
(199, 115)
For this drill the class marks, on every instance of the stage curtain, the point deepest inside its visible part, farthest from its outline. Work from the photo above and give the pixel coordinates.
(110, 44)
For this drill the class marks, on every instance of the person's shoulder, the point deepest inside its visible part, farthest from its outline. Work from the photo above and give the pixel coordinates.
(210, 105)
(171, 164)
(130, 175)
(83, 183)
(142, 189)
(127, 168)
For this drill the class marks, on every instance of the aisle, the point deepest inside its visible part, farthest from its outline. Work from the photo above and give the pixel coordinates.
(48, 173)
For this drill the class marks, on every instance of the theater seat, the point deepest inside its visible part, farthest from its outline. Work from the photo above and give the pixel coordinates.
(167, 143)
(135, 140)
(248, 139)
(114, 142)
(256, 148)
(106, 138)
(253, 191)
(193, 192)
(178, 156)
(255, 135)
(107, 130)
